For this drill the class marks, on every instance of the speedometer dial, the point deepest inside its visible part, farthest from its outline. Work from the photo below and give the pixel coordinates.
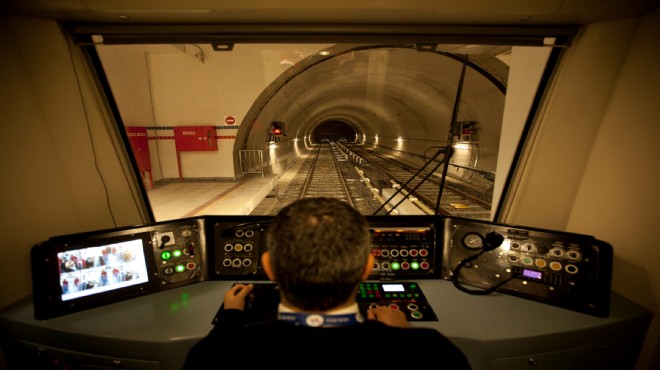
(473, 241)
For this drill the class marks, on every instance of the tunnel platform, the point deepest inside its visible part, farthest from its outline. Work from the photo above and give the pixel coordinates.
(251, 194)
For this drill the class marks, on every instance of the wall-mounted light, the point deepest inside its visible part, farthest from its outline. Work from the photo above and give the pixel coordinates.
(222, 46)
(461, 146)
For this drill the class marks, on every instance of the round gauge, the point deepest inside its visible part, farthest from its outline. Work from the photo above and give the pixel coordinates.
(473, 241)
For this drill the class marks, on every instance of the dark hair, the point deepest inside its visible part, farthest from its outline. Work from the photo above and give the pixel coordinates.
(318, 251)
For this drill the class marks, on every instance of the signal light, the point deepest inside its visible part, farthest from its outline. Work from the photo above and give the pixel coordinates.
(276, 128)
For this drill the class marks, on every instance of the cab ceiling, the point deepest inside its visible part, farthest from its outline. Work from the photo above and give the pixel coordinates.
(473, 12)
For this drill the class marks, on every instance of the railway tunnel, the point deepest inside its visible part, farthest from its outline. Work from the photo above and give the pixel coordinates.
(397, 99)
(408, 101)
(333, 131)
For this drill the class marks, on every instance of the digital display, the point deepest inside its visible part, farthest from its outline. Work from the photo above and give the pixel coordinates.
(393, 287)
(92, 270)
(532, 274)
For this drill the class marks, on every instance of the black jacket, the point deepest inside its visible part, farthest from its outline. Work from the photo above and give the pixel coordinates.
(233, 343)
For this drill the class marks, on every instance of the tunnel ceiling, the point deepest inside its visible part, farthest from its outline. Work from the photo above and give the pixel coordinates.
(391, 91)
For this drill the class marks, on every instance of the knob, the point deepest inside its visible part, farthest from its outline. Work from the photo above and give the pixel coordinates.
(493, 240)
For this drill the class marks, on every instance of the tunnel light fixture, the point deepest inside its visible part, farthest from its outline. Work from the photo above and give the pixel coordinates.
(461, 146)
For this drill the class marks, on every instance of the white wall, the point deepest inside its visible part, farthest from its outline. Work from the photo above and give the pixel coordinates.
(595, 170)
(55, 180)
(619, 196)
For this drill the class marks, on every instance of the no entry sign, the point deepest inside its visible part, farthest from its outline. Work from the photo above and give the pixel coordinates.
(230, 120)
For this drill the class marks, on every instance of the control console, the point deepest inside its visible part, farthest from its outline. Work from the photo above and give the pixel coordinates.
(404, 249)
(81, 271)
(405, 296)
(238, 246)
(562, 269)
(261, 304)
(177, 252)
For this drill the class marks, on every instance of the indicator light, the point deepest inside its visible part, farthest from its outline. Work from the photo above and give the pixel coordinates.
(166, 255)
(180, 268)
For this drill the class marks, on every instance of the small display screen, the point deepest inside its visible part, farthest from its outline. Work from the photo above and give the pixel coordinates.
(91, 270)
(393, 287)
(532, 274)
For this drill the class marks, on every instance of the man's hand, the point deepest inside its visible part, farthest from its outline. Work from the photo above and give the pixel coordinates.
(235, 296)
(388, 316)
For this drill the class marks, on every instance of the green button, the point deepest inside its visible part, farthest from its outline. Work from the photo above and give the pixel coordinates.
(166, 255)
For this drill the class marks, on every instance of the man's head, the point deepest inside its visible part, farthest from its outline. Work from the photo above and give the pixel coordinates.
(318, 252)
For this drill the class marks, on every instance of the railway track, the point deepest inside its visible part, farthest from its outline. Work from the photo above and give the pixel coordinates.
(329, 172)
(422, 187)
(325, 178)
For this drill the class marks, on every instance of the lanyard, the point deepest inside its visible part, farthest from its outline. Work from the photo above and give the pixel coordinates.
(320, 320)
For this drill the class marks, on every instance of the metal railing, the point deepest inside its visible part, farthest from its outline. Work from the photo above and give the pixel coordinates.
(251, 161)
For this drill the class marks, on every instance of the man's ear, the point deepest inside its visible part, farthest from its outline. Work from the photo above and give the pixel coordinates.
(369, 267)
(265, 264)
